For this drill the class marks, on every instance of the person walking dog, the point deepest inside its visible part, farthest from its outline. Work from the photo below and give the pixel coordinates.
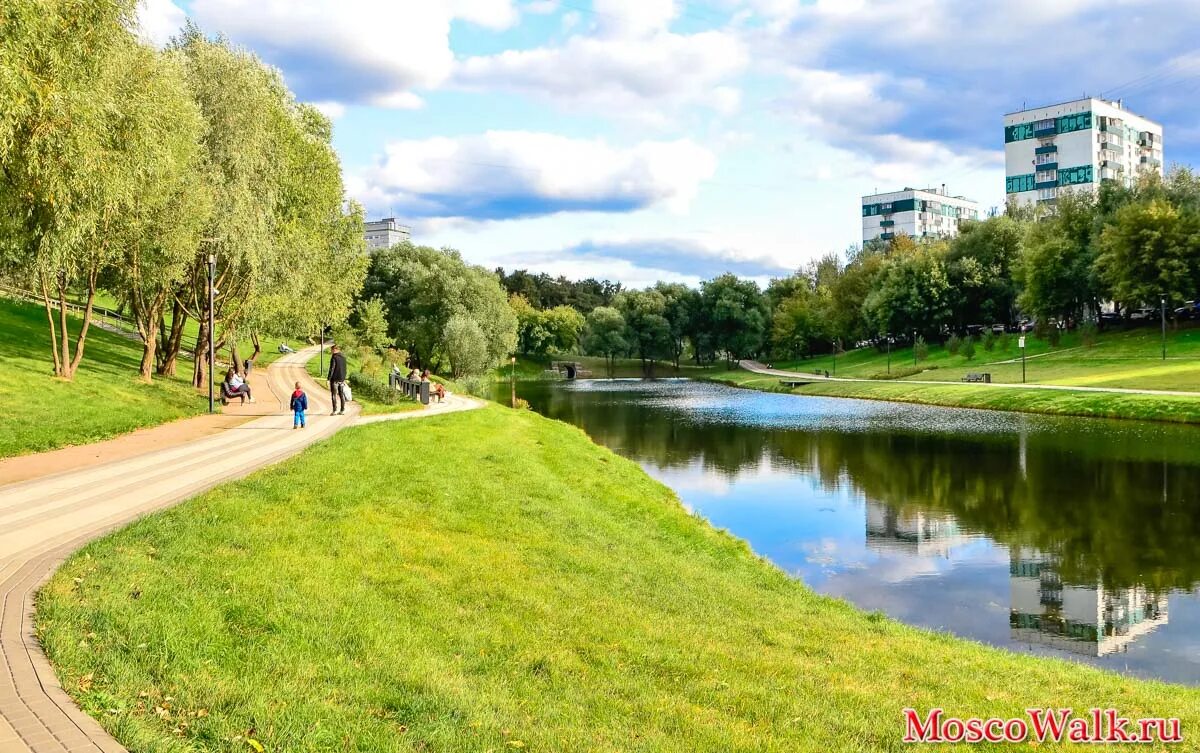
(337, 380)
(299, 405)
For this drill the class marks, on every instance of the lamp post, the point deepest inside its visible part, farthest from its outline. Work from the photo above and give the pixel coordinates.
(212, 296)
(914, 348)
(321, 345)
(1162, 301)
(836, 343)
(889, 348)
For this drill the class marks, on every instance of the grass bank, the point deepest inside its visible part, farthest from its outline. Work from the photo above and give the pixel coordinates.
(1131, 358)
(534, 367)
(105, 399)
(1176, 409)
(528, 591)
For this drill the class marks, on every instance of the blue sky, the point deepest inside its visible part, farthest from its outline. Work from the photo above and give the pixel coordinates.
(645, 140)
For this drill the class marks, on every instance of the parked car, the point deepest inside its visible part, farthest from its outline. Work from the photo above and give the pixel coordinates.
(974, 330)
(1028, 325)
(1109, 319)
(1189, 310)
(998, 329)
(1143, 314)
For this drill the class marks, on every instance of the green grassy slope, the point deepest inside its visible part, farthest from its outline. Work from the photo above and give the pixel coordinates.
(525, 590)
(104, 400)
(1117, 359)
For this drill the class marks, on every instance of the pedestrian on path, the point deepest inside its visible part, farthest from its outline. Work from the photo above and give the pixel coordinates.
(337, 380)
(299, 405)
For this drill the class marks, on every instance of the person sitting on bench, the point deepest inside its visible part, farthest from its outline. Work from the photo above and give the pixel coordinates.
(439, 391)
(235, 386)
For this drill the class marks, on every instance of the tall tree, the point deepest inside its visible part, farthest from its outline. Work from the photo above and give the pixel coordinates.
(605, 335)
(64, 172)
(737, 315)
(646, 327)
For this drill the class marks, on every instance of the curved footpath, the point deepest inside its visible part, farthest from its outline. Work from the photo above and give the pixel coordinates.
(43, 520)
(758, 368)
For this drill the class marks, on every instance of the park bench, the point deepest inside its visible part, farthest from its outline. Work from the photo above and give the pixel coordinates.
(974, 377)
(416, 389)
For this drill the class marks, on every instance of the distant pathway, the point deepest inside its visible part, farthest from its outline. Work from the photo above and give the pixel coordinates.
(758, 368)
(43, 520)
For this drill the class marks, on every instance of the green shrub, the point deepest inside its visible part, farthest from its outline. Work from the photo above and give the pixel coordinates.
(989, 341)
(1004, 341)
(968, 348)
(921, 349)
(376, 391)
(1054, 335)
(1088, 333)
(901, 373)
(954, 345)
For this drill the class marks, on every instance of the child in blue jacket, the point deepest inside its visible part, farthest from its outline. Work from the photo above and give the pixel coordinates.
(299, 405)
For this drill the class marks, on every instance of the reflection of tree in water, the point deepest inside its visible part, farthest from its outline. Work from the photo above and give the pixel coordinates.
(1102, 506)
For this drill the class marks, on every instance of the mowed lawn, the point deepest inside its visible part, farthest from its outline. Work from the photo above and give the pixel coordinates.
(105, 399)
(1130, 358)
(493, 581)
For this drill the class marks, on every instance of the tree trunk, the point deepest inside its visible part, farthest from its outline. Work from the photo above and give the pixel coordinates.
(172, 343)
(50, 318)
(81, 338)
(235, 357)
(257, 346)
(200, 366)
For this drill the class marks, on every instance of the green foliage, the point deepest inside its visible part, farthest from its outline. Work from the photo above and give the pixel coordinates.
(1088, 334)
(371, 323)
(538, 332)
(921, 349)
(605, 334)
(647, 330)
(988, 342)
(466, 346)
(736, 314)
(424, 288)
(541, 291)
(968, 348)
(1149, 248)
(954, 345)
(368, 386)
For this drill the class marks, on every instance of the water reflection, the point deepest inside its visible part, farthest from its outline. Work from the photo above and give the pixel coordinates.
(937, 516)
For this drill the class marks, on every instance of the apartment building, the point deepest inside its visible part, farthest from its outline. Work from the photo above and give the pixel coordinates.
(1073, 146)
(920, 213)
(385, 233)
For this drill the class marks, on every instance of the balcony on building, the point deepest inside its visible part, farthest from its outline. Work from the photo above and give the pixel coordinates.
(1046, 127)
(1045, 149)
(887, 223)
(887, 236)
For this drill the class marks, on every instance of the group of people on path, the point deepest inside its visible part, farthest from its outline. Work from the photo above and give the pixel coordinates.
(436, 389)
(235, 386)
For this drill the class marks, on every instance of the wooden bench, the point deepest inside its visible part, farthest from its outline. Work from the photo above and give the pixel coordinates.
(974, 377)
(416, 389)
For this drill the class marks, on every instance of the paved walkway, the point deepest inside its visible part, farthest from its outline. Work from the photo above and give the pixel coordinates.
(759, 368)
(43, 520)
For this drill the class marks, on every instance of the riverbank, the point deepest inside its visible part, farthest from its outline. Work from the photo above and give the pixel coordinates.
(1174, 409)
(524, 589)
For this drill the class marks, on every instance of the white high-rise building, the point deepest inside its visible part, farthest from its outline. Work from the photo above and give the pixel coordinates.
(1075, 146)
(385, 233)
(920, 213)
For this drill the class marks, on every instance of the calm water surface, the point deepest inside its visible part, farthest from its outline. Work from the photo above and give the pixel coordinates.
(1075, 538)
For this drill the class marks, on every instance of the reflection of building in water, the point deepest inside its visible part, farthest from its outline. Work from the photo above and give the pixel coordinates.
(914, 532)
(1090, 620)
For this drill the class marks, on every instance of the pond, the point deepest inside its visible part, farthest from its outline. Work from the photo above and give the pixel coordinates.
(1075, 538)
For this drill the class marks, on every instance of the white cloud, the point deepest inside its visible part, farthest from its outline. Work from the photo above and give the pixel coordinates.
(159, 20)
(618, 75)
(624, 18)
(511, 174)
(358, 51)
(331, 110)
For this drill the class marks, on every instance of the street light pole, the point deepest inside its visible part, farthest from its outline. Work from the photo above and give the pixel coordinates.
(889, 349)
(1163, 309)
(914, 347)
(835, 350)
(212, 275)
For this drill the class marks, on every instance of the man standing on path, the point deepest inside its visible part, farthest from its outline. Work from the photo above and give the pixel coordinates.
(337, 380)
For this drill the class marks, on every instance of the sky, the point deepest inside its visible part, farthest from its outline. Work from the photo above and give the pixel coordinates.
(647, 140)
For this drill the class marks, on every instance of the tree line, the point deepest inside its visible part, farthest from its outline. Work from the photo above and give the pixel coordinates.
(125, 168)
(1058, 265)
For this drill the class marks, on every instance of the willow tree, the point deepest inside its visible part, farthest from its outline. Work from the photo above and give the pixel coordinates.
(319, 257)
(239, 98)
(64, 178)
(160, 231)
